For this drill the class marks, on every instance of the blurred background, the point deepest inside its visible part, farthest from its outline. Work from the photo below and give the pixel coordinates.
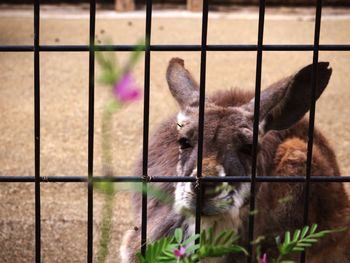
(64, 99)
(193, 5)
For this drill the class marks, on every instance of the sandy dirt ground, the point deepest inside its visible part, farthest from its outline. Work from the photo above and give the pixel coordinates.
(64, 111)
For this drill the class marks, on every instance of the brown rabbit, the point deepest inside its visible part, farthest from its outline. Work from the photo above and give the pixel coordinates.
(228, 136)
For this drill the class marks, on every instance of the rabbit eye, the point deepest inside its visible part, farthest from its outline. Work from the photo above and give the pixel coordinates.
(184, 143)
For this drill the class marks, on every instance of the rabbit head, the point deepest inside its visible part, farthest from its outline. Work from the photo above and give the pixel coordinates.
(228, 133)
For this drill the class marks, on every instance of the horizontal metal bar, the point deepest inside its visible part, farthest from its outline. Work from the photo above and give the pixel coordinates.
(175, 47)
(17, 48)
(335, 47)
(128, 48)
(65, 48)
(157, 179)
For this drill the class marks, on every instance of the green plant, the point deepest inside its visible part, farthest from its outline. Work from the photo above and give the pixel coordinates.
(302, 239)
(176, 248)
(123, 90)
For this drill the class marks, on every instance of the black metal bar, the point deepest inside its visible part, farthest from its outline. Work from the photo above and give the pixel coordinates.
(146, 126)
(37, 179)
(158, 179)
(160, 48)
(256, 127)
(334, 47)
(199, 190)
(17, 48)
(312, 114)
(66, 48)
(90, 204)
(37, 130)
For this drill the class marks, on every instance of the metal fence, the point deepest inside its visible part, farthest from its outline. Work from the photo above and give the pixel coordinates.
(203, 48)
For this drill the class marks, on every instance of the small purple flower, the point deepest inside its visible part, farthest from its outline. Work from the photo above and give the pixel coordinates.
(126, 90)
(180, 252)
(263, 259)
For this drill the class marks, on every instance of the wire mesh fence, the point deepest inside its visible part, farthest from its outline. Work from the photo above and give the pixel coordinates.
(203, 48)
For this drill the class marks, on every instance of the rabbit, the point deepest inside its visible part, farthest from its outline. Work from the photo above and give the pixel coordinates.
(227, 151)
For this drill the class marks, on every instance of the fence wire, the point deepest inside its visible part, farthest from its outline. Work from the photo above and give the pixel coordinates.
(203, 48)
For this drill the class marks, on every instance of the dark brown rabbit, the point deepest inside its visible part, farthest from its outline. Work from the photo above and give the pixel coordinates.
(228, 136)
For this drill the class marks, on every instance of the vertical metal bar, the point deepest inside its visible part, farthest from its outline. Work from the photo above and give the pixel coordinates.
(146, 126)
(37, 129)
(201, 113)
(91, 130)
(256, 124)
(312, 113)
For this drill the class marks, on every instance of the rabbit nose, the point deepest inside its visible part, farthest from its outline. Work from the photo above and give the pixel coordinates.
(210, 189)
(210, 167)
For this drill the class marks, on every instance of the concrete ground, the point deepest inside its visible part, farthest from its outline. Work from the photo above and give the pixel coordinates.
(64, 107)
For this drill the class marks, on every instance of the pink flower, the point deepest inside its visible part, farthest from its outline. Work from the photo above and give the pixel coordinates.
(126, 90)
(263, 259)
(180, 252)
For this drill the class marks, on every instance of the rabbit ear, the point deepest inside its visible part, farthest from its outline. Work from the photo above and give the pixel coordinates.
(181, 83)
(285, 102)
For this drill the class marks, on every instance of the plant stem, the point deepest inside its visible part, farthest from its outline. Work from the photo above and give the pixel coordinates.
(106, 225)
(106, 137)
(106, 131)
(107, 209)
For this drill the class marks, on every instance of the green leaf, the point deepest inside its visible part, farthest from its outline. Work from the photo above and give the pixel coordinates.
(136, 54)
(203, 238)
(109, 77)
(253, 212)
(106, 60)
(178, 235)
(304, 231)
(191, 249)
(302, 239)
(296, 235)
(258, 240)
(210, 238)
(228, 237)
(310, 240)
(194, 258)
(106, 187)
(160, 251)
(285, 199)
(219, 238)
(160, 194)
(191, 239)
(152, 191)
(319, 234)
(219, 251)
(221, 245)
(286, 238)
(305, 245)
(313, 228)
(140, 258)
